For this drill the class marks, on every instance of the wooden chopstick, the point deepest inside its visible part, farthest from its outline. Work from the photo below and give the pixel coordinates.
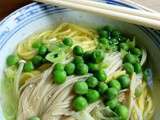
(131, 2)
(115, 14)
(118, 8)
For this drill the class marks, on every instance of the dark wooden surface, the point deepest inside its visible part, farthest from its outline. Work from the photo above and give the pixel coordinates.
(8, 6)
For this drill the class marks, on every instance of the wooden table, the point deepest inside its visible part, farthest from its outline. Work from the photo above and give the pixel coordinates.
(8, 6)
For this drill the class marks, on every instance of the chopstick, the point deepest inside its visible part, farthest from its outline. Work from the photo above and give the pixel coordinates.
(118, 8)
(131, 2)
(146, 19)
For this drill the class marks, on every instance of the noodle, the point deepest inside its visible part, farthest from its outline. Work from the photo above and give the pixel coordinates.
(78, 34)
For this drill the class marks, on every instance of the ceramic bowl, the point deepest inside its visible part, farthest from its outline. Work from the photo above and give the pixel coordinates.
(37, 17)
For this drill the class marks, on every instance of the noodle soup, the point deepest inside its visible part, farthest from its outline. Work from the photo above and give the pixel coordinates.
(77, 73)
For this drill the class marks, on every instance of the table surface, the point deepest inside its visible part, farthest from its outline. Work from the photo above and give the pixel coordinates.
(152, 4)
(8, 6)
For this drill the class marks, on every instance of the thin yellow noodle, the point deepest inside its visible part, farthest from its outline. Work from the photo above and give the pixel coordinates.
(134, 114)
(148, 112)
(115, 75)
(45, 36)
(63, 33)
(84, 42)
(84, 37)
(25, 53)
(142, 99)
(27, 75)
(83, 30)
(60, 27)
(72, 34)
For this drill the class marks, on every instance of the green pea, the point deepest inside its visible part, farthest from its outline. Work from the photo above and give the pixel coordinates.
(97, 56)
(137, 68)
(59, 76)
(136, 51)
(34, 118)
(81, 69)
(28, 66)
(92, 95)
(68, 41)
(128, 67)
(130, 58)
(124, 81)
(78, 59)
(122, 111)
(115, 84)
(77, 50)
(59, 66)
(79, 103)
(37, 60)
(105, 46)
(80, 87)
(92, 82)
(104, 40)
(111, 93)
(93, 67)
(103, 33)
(37, 44)
(70, 68)
(100, 75)
(12, 60)
(124, 46)
(42, 50)
(102, 87)
(112, 103)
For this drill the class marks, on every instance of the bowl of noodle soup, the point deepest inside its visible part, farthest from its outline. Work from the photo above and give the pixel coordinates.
(49, 53)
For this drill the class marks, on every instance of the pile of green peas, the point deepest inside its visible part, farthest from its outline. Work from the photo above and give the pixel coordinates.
(114, 40)
(108, 38)
(80, 66)
(14, 59)
(89, 62)
(33, 63)
(92, 89)
(38, 59)
(131, 61)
